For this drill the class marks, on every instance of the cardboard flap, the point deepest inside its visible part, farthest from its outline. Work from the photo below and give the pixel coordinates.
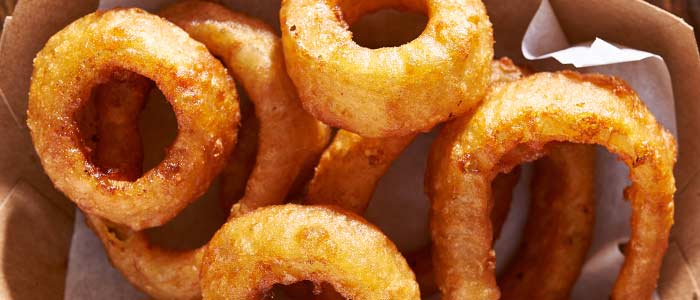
(35, 241)
(36, 221)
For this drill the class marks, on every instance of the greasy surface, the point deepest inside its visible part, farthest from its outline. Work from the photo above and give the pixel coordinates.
(202, 94)
(546, 107)
(391, 91)
(291, 243)
(559, 226)
(288, 136)
(350, 169)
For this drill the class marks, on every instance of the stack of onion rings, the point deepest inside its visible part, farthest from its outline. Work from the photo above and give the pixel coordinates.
(387, 91)
(290, 243)
(530, 113)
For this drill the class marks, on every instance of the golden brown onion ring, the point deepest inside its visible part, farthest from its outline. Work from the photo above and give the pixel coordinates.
(531, 112)
(291, 243)
(288, 136)
(559, 227)
(392, 91)
(350, 169)
(202, 94)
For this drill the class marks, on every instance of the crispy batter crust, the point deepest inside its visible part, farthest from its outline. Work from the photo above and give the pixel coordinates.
(202, 94)
(288, 136)
(391, 91)
(291, 243)
(533, 111)
(350, 169)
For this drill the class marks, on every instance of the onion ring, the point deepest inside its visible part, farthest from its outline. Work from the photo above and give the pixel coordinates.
(350, 169)
(559, 223)
(388, 91)
(83, 55)
(531, 112)
(288, 136)
(256, 60)
(290, 243)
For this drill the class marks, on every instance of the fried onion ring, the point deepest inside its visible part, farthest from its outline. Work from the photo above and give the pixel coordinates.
(350, 169)
(288, 135)
(255, 57)
(392, 91)
(532, 112)
(291, 243)
(559, 223)
(202, 94)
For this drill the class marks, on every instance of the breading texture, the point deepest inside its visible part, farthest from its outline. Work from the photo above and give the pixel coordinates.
(390, 91)
(291, 243)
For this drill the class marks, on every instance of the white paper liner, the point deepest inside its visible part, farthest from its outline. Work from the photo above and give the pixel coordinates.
(399, 205)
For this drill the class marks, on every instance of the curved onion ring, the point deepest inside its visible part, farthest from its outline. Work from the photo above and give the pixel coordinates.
(531, 112)
(290, 243)
(202, 94)
(288, 136)
(388, 91)
(559, 227)
(350, 169)
(257, 62)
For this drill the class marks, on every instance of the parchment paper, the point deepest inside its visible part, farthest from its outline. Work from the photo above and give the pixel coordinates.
(399, 205)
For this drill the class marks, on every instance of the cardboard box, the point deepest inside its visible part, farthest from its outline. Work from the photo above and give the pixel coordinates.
(36, 221)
